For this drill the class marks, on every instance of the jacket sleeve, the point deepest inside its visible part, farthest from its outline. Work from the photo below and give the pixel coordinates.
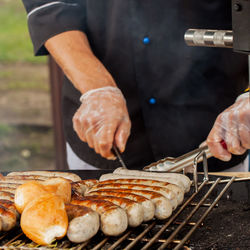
(49, 18)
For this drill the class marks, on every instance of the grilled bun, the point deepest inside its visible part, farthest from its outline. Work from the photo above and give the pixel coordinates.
(26, 193)
(60, 187)
(45, 219)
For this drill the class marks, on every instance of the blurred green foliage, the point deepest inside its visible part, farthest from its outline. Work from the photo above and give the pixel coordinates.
(5, 130)
(15, 44)
(23, 76)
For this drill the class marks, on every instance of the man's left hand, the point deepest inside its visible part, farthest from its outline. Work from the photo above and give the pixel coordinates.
(233, 127)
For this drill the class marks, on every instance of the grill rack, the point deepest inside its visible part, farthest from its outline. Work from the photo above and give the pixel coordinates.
(172, 233)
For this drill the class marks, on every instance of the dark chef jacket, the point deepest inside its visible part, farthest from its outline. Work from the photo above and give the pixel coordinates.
(173, 92)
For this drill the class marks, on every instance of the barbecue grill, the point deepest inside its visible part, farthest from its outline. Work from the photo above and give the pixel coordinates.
(187, 228)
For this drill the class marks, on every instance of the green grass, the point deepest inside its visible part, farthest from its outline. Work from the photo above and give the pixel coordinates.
(23, 76)
(15, 43)
(5, 130)
(24, 86)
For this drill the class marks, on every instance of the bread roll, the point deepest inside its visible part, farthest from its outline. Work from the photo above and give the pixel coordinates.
(45, 219)
(60, 187)
(26, 193)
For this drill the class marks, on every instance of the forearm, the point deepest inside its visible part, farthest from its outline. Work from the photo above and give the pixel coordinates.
(72, 52)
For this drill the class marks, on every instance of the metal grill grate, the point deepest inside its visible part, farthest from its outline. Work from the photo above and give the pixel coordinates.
(169, 234)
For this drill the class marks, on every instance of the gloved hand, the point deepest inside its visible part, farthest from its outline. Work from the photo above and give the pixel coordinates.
(233, 127)
(102, 120)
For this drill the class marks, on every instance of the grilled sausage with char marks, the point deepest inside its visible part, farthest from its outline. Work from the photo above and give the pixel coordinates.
(8, 189)
(10, 206)
(10, 185)
(8, 218)
(66, 175)
(133, 209)
(147, 205)
(83, 223)
(163, 207)
(27, 177)
(114, 219)
(165, 192)
(6, 196)
(174, 178)
(80, 187)
(172, 187)
(17, 181)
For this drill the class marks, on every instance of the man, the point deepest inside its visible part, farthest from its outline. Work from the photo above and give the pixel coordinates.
(131, 80)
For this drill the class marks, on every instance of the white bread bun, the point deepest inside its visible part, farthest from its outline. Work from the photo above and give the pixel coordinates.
(60, 187)
(45, 219)
(26, 193)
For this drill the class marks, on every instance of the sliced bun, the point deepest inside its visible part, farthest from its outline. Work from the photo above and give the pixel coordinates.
(45, 219)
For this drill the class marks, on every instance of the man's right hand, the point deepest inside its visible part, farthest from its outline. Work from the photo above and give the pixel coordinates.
(102, 120)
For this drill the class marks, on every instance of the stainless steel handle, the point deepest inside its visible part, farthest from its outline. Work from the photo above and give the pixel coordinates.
(209, 38)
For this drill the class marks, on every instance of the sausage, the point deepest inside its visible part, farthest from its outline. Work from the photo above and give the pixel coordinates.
(10, 206)
(133, 209)
(66, 175)
(165, 192)
(147, 205)
(8, 218)
(171, 180)
(17, 181)
(27, 177)
(167, 176)
(76, 196)
(174, 188)
(11, 185)
(163, 207)
(114, 219)
(80, 187)
(88, 182)
(83, 223)
(8, 189)
(7, 196)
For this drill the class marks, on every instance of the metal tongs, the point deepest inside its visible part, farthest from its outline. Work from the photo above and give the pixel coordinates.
(191, 159)
(171, 164)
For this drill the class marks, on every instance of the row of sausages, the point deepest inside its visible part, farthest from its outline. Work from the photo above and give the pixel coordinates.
(141, 198)
(116, 201)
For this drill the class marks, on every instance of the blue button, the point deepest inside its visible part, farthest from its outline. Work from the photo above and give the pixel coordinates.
(146, 40)
(152, 100)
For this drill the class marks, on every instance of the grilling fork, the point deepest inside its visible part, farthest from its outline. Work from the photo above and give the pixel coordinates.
(118, 155)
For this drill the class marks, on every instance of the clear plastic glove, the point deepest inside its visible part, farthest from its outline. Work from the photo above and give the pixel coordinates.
(233, 127)
(102, 120)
